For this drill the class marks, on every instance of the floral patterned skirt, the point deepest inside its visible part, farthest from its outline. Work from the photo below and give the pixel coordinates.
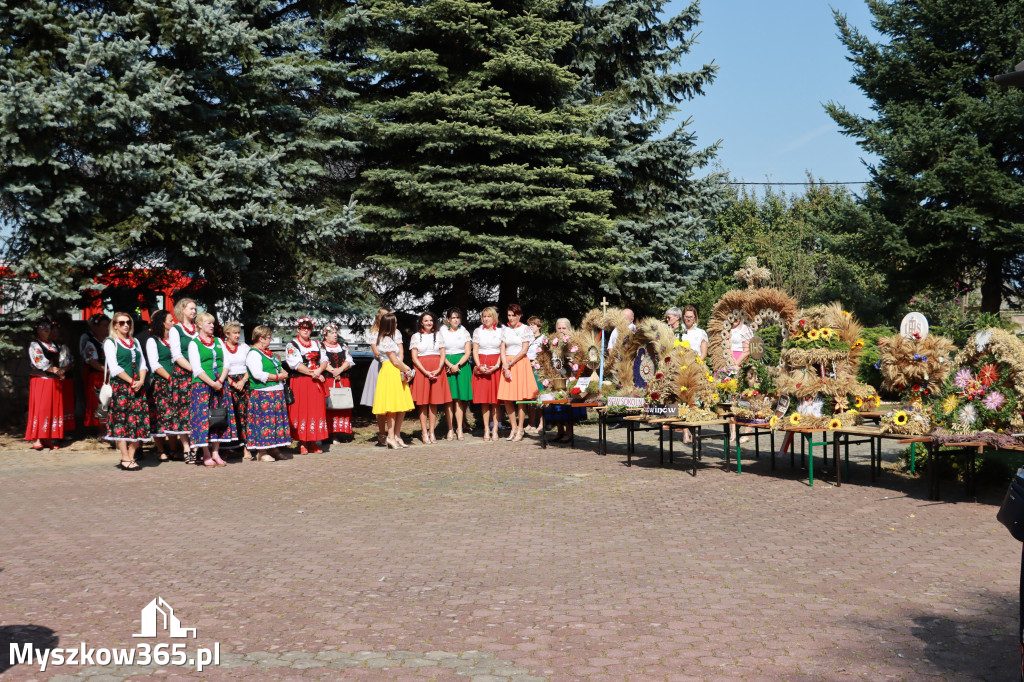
(180, 402)
(308, 414)
(201, 399)
(241, 400)
(339, 421)
(161, 412)
(128, 415)
(268, 421)
(45, 409)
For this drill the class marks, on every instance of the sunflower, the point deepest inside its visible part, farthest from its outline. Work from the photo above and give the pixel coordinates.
(859, 343)
(826, 334)
(835, 424)
(794, 419)
(858, 403)
(773, 422)
(813, 335)
(900, 418)
(715, 398)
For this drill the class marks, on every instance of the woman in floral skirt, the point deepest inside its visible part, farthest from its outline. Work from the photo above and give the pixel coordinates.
(268, 415)
(235, 353)
(209, 373)
(179, 337)
(164, 420)
(128, 414)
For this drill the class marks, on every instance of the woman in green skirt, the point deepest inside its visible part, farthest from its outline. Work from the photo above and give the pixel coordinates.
(457, 341)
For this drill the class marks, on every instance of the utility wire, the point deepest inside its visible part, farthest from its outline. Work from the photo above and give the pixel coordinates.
(858, 182)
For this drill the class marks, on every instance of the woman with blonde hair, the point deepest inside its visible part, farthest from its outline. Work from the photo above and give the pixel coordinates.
(179, 337)
(393, 397)
(268, 415)
(209, 376)
(236, 350)
(487, 340)
(128, 414)
(370, 386)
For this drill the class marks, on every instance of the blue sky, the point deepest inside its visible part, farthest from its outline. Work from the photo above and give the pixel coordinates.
(778, 62)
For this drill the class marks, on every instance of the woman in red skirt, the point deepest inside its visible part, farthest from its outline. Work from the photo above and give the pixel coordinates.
(487, 340)
(307, 363)
(430, 385)
(45, 391)
(339, 362)
(517, 379)
(90, 348)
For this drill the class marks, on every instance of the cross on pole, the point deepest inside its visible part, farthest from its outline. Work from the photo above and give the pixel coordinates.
(604, 304)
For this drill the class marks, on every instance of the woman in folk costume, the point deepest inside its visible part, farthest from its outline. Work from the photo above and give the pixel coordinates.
(209, 391)
(517, 380)
(430, 385)
(179, 337)
(128, 414)
(235, 352)
(45, 391)
(392, 397)
(268, 415)
(458, 348)
(67, 384)
(307, 363)
(487, 340)
(165, 420)
(339, 362)
(90, 349)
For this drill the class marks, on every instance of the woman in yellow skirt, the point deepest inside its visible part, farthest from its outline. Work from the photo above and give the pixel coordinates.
(392, 397)
(517, 379)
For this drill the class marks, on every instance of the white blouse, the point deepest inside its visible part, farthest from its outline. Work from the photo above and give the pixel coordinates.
(295, 353)
(196, 361)
(515, 338)
(387, 345)
(254, 363)
(738, 336)
(454, 342)
(489, 340)
(110, 350)
(179, 344)
(427, 344)
(235, 361)
(153, 351)
(695, 336)
(371, 336)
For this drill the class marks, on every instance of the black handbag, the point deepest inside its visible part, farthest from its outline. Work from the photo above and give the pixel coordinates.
(218, 417)
(289, 395)
(1011, 513)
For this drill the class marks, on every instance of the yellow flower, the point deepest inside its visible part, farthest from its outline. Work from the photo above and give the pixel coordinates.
(773, 422)
(794, 419)
(859, 343)
(683, 388)
(847, 313)
(835, 424)
(950, 404)
(710, 378)
(714, 398)
(900, 418)
(858, 403)
(813, 335)
(686, 344)
(683, 367)
(825, 333)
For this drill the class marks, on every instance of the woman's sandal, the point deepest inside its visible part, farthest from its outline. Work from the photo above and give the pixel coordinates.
(460, 435)
(519, 436)
(129, 467)
(450, 436)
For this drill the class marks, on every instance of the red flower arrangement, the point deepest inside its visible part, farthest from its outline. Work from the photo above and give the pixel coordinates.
(659, 375)
(988, 375)
(575, 391)
(655, 396)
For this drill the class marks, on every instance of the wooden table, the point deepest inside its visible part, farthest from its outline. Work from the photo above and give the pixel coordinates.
(971, 448)
(674, 423)
(602, 425)
(808, 435)
(874, 436)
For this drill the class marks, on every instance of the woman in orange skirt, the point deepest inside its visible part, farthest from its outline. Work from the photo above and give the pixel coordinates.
(430, 385)
(487, 340)
(517, 378)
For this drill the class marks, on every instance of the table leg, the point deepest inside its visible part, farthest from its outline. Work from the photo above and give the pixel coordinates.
(544, 436)
(695, 435)
(933, 472)
(810, 457)
(913, 452)
(847, 457)
(572, 431)
(873, 439)
(602, 433)
(671, 445)
(728, 448)
(835, 457)
(772, 436)
(739, 454)
(661, 446)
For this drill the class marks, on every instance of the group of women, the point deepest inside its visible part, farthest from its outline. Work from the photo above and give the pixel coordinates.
(439, 373)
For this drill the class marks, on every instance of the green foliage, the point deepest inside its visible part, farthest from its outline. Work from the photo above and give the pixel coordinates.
(945, 202)
(765, 381)
(772, 337)
(810, 242)
(867, 372)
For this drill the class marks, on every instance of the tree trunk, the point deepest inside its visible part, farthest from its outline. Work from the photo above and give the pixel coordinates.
(992, 286)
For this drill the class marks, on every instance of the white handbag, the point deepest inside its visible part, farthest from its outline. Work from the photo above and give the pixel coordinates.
(340, 398)
(106, 393)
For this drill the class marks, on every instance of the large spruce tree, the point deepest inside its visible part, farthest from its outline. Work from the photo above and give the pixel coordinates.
(186, 134)
(947, 195)
(631, 63)
(478, 178)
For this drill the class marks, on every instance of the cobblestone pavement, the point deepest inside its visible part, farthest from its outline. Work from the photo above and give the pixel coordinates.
(505, 562)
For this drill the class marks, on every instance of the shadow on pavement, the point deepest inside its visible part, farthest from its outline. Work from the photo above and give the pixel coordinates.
(40, 637)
